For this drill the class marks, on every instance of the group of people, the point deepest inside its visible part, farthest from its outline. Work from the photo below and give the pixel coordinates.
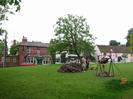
(85, 63)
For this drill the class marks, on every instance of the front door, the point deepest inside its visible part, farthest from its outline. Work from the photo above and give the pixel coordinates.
(39, 60)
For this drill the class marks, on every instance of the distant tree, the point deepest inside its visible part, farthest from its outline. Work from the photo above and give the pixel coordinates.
(55, 46)
(14, 48)
(114, 43)
(7, 7)
(52, 50)
(1, 48)
(130, 39)
(73, 32)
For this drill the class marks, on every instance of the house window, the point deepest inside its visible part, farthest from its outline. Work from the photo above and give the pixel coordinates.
(14, 60)
(28, 50)
(31, 60)
(46, 60)
(7, 59)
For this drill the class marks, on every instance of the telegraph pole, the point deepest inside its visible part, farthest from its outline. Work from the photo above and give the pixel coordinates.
(5, 50)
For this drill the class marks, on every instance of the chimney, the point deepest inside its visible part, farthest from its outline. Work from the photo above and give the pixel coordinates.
(24, 40)
(14, 42)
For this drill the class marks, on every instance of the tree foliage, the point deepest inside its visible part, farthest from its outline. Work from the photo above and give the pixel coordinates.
(73, 34)
(14, 48)
(130, 39)
(114, 43)
(52, 50)
(7, 7)
(55, 46)
(1, 48)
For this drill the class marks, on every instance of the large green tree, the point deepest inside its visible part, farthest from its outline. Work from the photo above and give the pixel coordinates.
(130, 39)
(14, 48)
(73, 32)
(114, 43)
(7, 7)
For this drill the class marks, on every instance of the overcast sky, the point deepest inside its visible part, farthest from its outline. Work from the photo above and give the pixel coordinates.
(108, 19)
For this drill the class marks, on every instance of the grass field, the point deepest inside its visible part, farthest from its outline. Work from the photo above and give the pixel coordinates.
(44, 82)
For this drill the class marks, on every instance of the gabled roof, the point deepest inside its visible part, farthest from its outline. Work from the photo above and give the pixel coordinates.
(116, 49)
(34, 44)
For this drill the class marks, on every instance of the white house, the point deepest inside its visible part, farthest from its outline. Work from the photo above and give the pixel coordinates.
(116, 51)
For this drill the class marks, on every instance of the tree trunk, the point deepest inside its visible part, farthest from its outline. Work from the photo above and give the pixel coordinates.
(53, 59)
(79, 57)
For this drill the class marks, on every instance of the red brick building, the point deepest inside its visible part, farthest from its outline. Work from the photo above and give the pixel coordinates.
(33, 52)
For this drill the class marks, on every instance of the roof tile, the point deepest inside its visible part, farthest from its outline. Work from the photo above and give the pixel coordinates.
(116, 49)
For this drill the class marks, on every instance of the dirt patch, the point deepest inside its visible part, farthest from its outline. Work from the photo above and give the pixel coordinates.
(71, 68)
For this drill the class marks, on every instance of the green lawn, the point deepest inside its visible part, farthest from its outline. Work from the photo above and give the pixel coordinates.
(44, 82)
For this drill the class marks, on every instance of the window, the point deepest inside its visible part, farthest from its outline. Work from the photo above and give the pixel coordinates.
(14, 60)
(28, 50)
(8, 59)
(46, 60)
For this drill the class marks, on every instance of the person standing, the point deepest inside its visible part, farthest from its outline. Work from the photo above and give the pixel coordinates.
(112, 55)
(84, 63)
(87, 63)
